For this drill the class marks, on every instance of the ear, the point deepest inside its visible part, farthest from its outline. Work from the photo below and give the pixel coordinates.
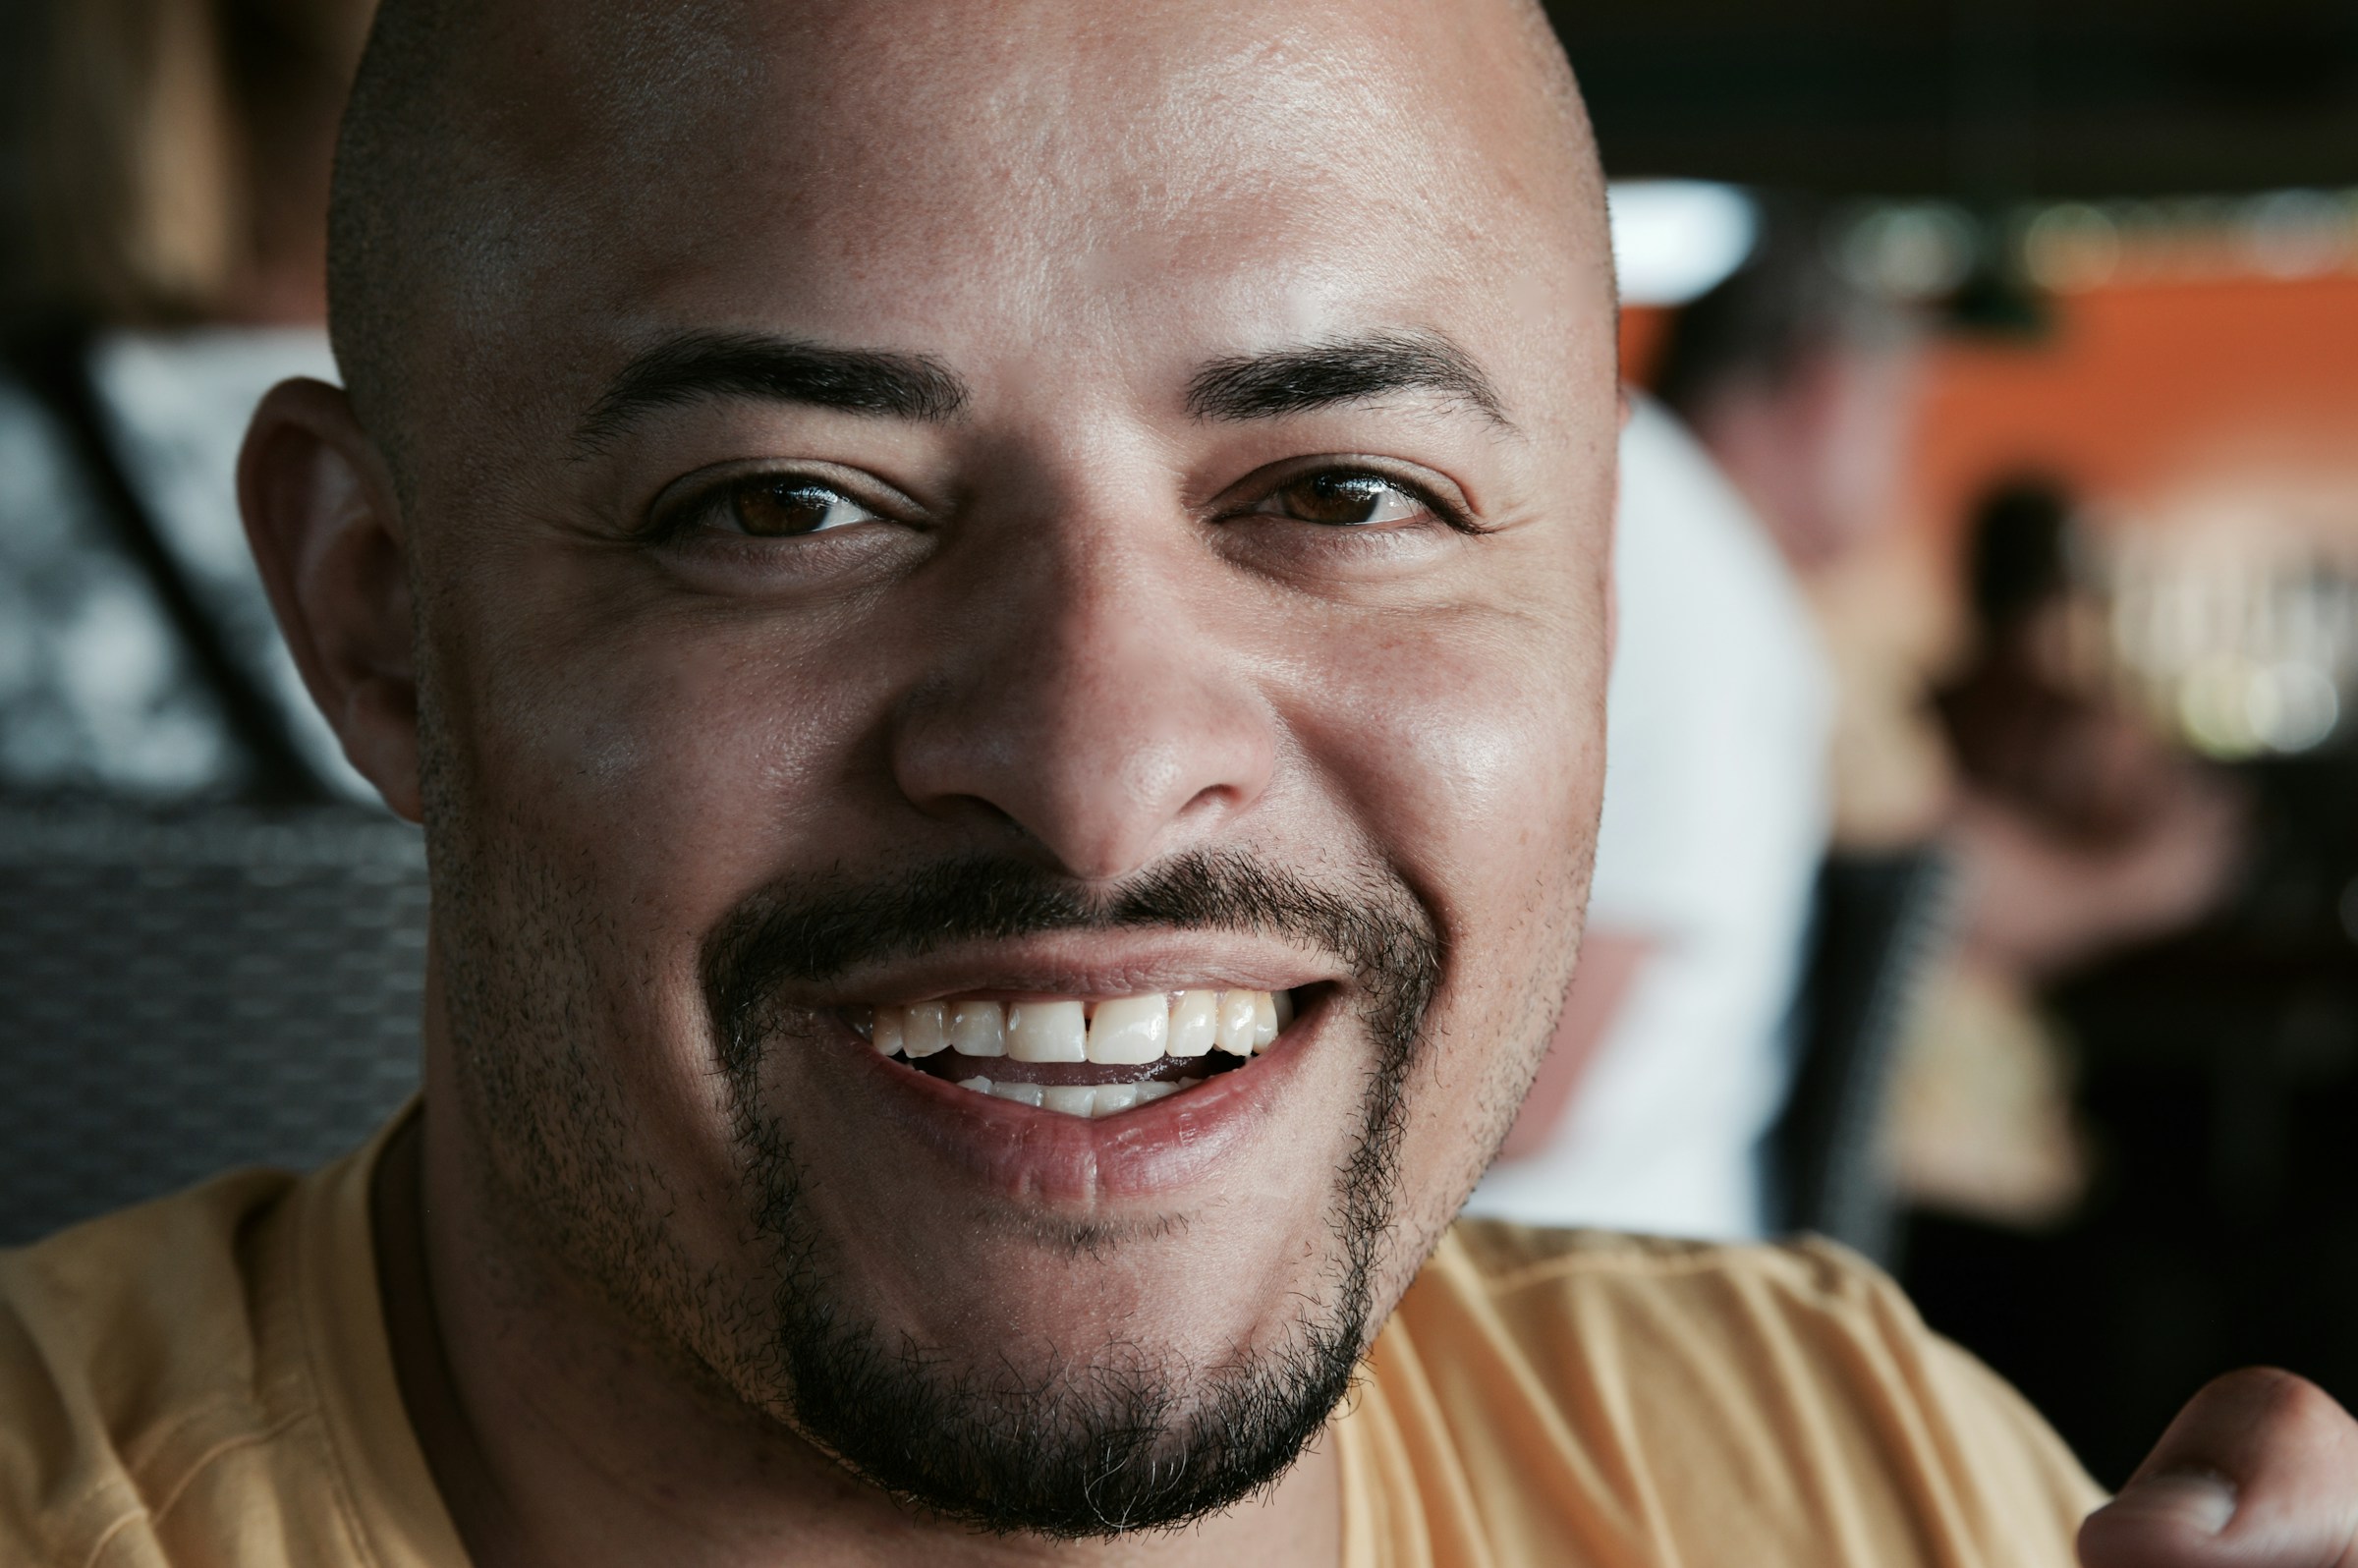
(327, 532)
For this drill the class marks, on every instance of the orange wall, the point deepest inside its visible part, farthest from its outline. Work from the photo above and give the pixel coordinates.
(2137, 387)
(2143, 386)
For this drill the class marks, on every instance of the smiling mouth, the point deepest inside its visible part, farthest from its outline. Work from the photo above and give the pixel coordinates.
(1076, 1056)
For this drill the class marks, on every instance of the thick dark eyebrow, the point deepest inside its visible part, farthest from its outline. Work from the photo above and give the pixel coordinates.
(1321, 375)
(708, 364)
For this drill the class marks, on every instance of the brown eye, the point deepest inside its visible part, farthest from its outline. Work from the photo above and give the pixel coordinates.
(790, 508)
(1344, 499)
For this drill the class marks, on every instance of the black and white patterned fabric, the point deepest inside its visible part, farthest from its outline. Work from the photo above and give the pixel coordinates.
(96, 693)
(182, 995)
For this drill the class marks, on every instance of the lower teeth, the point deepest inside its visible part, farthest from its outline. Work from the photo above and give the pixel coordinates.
(1081, 1100)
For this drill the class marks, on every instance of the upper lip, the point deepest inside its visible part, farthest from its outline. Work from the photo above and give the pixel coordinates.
(1087, 963)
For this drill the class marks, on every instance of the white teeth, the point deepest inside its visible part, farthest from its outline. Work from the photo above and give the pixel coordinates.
(1047, 1032)
(924, 1029)
(1265, 1021)
(1194, 1023)
(1129, 1031)
(1082, 1100)
(1120, 1031)
(1238, 1016)
(977, 1028)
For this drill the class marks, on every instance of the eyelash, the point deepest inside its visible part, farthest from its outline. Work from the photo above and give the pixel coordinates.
(669, 524)
(1456, 517)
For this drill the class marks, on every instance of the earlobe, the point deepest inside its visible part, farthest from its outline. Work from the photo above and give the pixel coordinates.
(325, 525)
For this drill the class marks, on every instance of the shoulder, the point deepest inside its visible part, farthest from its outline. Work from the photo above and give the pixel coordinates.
(133, 1357)
(1686, 533)
(1786, 1395)
(1545, 1268)
(1583, 1307)
(1700, 580)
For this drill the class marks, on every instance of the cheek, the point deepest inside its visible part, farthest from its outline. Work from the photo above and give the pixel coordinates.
(1476, 761)
(679, 753)
(646, 768)
(1474, 756)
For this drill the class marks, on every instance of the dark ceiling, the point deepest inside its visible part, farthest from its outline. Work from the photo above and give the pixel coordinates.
(1982, 99)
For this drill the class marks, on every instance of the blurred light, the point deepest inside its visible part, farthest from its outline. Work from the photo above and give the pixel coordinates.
(2212, 713)
(2287, 235)
(2072, 247)
(2297, 234)
(1921, 251)
(1675, 239)
(2293, 708)
(2239, 634)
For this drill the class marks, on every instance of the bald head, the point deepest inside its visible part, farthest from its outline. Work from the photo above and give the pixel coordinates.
(492, 150)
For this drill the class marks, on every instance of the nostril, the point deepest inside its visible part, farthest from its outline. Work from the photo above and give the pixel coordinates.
(1210, 798)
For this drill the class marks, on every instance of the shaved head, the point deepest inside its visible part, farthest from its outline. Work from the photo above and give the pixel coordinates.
(862, 506)
(454, 188)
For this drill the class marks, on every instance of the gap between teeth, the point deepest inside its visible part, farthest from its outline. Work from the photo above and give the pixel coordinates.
(1128, 1031)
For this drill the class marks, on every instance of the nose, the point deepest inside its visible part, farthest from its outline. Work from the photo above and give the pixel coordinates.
(1090, 700)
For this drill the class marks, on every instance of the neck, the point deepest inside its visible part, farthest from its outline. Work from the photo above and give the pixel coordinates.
(556, 1438)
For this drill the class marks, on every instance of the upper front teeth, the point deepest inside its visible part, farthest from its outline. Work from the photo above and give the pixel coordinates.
(925, 1028)
(1132, 1030)
(977, 1028)
(1043, 1032)
(1126, 1030)
(1194, 1023)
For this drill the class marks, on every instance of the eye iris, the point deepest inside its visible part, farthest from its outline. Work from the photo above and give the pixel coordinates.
(781, 510)
(1339, 497)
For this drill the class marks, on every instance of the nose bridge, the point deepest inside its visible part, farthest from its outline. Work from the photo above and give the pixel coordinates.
(1076, 696)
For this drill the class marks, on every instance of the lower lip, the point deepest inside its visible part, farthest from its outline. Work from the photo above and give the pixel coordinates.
(1035, 1155)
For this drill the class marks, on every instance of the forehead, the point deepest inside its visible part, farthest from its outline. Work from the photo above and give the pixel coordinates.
(972, 179)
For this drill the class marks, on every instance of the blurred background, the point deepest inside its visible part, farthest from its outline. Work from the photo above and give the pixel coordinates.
(2098, 644)
(1996, 369)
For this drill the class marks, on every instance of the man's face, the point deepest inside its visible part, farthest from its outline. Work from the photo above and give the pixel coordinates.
(1856, 411)
(960, 510)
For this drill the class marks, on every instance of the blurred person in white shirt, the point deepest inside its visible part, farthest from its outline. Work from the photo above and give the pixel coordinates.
(1787, 399)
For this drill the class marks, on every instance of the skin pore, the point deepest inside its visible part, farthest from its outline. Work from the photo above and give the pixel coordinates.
(889, 500)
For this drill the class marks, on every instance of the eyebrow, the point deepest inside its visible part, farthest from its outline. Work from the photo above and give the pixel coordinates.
(731, 364)
(1322, 375)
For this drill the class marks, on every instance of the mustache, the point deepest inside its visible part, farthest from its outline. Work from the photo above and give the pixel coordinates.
(809, 931)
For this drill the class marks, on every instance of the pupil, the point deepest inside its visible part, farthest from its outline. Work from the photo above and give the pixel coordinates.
(773, 510)
(1341, 497)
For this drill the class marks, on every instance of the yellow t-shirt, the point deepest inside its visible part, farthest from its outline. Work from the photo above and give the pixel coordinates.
(204, 1382)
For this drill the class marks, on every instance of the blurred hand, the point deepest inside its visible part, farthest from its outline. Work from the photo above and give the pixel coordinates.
(2260, 1471)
